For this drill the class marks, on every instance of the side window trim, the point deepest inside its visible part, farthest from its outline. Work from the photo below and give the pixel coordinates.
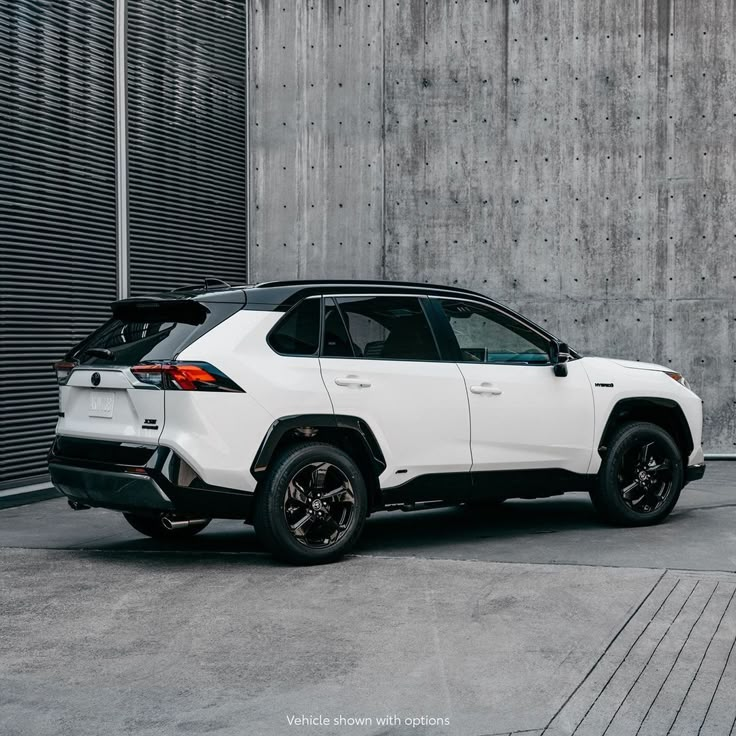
(428, 310)
(455, 345)
(322, 310)
(322, 334)
(447, 344)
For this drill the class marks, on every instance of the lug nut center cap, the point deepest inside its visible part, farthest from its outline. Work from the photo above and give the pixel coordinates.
(643, 476)
(316, 504)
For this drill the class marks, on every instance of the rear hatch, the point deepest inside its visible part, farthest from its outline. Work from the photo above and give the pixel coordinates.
(110, 388)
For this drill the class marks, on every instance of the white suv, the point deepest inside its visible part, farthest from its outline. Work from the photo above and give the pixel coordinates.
(304, 406)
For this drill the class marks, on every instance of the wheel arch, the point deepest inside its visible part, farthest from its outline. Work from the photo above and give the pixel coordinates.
(349, 433)
(665, 413)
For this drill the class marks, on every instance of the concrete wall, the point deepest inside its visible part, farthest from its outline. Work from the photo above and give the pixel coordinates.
(573, 159)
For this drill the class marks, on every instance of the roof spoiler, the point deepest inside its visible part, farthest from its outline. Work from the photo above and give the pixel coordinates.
(148, 309)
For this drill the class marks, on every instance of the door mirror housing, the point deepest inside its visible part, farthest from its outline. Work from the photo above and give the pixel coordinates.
(559, 354)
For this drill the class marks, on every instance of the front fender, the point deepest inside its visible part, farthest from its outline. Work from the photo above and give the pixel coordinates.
(618, 388)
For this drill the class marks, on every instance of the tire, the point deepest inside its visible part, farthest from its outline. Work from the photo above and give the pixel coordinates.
(151, 526)
(641, 476)
(291, 519)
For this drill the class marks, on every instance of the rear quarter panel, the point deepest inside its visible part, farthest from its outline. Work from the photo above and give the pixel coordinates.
(218, 434)
(221, 433)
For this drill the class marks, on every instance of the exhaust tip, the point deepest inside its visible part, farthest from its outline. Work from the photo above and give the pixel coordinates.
(171, 524)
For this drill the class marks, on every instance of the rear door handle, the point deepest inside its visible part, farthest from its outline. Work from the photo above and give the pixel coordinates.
(353, 381)
(486, 388)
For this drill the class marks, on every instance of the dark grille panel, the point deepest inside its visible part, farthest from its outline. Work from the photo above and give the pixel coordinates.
(57, 231)
(186, 136)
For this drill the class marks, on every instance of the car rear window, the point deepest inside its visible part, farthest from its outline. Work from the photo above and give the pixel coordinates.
(150, 331)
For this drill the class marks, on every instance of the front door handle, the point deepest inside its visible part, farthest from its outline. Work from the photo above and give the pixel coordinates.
(353, 381)
(486, 388)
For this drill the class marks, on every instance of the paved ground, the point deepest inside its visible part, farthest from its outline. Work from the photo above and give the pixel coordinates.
(535, 619)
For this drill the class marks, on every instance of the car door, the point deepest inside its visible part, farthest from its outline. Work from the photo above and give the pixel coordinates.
(523, 416)
(380, 362)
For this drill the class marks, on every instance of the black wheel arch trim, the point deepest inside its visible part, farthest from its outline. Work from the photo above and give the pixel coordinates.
(635, 408)
(281, 427)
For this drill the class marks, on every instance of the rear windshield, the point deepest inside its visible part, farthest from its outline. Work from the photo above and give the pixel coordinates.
(150, 332)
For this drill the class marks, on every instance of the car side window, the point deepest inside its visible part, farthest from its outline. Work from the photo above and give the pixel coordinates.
(298, 332)
(487, 336)
(388, 328)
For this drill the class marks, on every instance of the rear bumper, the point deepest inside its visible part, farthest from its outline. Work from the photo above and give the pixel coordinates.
(139, 478)
(694, 472)
(109, 489)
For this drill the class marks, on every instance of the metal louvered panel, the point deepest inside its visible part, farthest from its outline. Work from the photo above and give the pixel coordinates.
(186, 139)
(57, 188)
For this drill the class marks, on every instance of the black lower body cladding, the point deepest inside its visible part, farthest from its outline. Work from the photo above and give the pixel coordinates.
(139, 478)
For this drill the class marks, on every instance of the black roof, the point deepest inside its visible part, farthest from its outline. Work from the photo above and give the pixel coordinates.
(282, 295)
(285, 293)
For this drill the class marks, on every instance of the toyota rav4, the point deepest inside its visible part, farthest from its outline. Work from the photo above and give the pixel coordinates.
(302, 407)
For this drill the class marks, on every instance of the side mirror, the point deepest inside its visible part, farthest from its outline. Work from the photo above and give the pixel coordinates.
(559, 354)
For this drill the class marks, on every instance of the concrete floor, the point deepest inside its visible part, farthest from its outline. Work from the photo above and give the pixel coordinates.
(535, 619)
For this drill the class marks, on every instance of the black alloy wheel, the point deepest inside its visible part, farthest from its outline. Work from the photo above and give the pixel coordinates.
(640, 477)
(311, 505)
(319, 505)
(645, 477)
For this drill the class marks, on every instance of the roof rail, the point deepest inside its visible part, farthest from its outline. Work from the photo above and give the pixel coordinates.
(367, 282)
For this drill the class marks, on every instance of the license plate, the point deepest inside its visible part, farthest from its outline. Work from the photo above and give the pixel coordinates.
(101, 403)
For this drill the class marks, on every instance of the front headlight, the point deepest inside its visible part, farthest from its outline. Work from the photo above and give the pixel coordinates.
(678, 377)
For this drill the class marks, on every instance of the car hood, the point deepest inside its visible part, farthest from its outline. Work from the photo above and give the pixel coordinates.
(640, 366)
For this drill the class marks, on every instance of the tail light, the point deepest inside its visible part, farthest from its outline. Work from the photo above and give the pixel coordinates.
(183, 376)
(63, 370)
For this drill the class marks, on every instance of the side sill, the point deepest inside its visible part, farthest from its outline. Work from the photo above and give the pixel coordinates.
(494, 484)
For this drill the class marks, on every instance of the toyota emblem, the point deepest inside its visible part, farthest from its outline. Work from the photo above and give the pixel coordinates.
(95, 379)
